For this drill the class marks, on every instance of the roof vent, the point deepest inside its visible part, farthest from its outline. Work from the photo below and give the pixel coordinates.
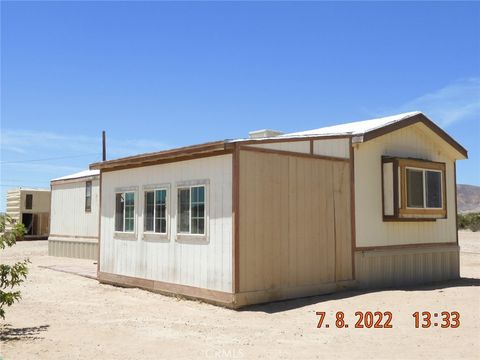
(265, 133)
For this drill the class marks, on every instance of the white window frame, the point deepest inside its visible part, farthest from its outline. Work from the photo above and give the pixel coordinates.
(424, 171)
(127, 235)
(151, 235)
(189, 237)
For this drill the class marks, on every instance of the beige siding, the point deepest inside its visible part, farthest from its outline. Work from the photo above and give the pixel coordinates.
(205, 265)
(13, 204)
(15, 207)
(388, 188)
(332, 147)
(413, 141)
(68, 215)
(294, 223)
(399, 267)
(293, 146)
(74, 249)
(328, 147)
(40, 203)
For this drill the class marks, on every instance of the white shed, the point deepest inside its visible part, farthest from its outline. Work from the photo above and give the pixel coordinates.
(75, 215)
(237, 222)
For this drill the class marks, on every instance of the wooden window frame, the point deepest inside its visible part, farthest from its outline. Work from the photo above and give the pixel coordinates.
(401, 211)
(88, 207)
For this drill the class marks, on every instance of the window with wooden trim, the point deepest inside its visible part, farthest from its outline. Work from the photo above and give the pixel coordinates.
(125, 211)
(191, 210)
(88, 196)
(423, 188)
(413, 189)
(155, 219)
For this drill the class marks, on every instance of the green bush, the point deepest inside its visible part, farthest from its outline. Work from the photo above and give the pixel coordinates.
(469, 221)
(11, 275)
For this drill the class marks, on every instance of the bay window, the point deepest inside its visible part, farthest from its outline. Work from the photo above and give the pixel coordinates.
(413, 189)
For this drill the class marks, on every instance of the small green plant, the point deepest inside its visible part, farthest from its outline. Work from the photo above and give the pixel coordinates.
(11, 275)
(469, 221)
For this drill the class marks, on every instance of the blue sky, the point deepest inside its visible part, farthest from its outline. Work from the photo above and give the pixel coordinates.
(157, 75)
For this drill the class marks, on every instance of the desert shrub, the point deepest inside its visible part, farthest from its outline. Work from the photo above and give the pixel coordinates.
(469, 221)
(11, 275)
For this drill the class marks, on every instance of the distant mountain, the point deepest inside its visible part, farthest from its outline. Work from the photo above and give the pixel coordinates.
(468, 198)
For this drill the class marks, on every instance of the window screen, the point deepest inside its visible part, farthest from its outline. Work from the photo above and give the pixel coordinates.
(433, 189)
(414, 188)
(183, 224)
(149, 210)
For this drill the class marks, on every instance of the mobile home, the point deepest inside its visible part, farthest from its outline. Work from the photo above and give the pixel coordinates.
(32, 208)
(277, 216)
(75, 215)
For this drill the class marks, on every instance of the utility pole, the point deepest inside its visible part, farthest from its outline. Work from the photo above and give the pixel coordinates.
(104, 147)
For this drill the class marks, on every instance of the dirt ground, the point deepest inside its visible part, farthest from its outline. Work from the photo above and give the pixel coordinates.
(66, 316)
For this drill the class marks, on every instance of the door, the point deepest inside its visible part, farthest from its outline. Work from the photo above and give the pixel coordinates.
(27, 220)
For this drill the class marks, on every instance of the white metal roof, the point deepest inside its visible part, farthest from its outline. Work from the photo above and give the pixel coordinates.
(353, 128)
(80, 174)
(357, 127)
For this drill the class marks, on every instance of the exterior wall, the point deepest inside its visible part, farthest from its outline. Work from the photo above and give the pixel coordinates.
(73, 248)
(15, 208)
(13, 204)
(328, 147)
(406, 266)
(205, 265)
(332, 147)
(40, 204)
(293, 146)
(74, 232)
(412, 141)
(295, 237)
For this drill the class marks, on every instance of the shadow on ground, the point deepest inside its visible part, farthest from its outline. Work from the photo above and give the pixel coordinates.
(280, 306)
(8, 333)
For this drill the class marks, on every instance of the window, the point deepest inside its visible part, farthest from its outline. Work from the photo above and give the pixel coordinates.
(413, 189)
(155, 219)
(125, 212)
(29, 201)
(88, 196)
(191, 210)
(424, 188)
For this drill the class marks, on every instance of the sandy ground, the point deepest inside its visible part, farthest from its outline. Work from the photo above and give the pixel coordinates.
(66, 316)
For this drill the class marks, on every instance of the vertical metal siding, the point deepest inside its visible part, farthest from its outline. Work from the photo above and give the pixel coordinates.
(68, 215)
(400, 267)
(206, 265)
